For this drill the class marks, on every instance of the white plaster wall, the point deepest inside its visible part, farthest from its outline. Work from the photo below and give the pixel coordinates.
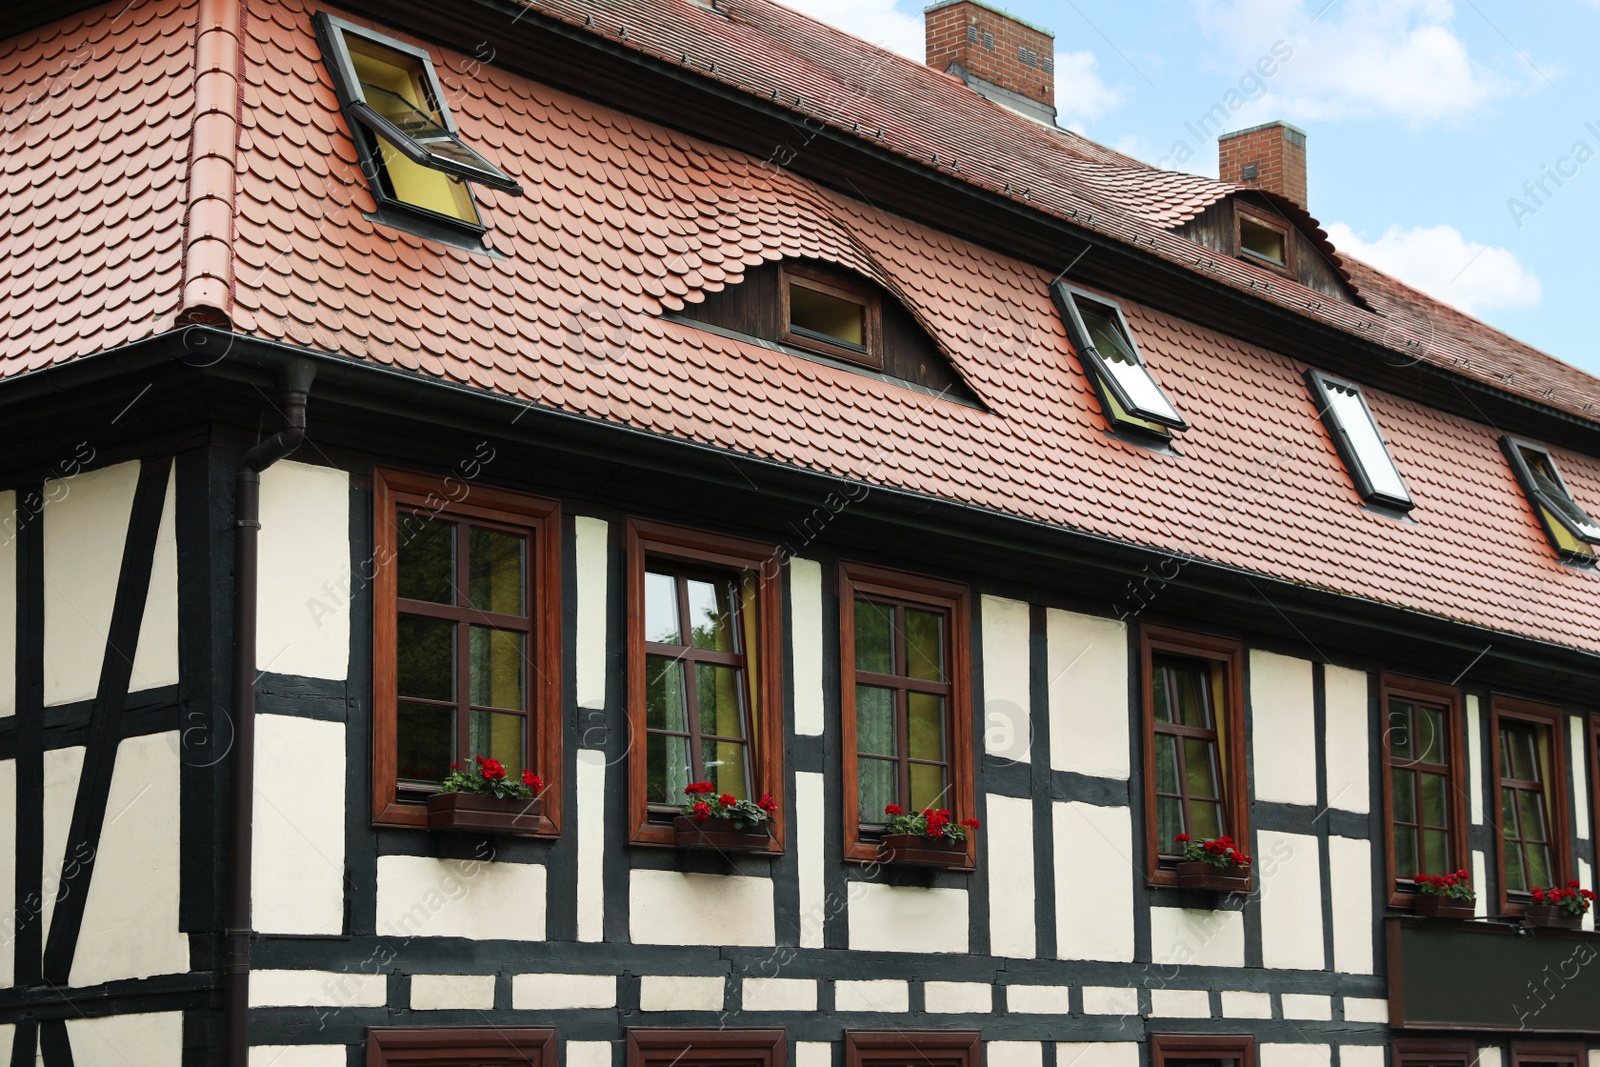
(1030, 999)
(452, 992)
(1094, 915)
(419, 896)
(1180, 1004)
(297, 869)
(552, 992)
(1007, 725)
(1475, 764)
(958, 998)
(9, 521)
(1097, 1054)
(130, 919)
(806, 827)
(672, 992)
(155, 661)
(1007, 837)
(1360, 1056)
(118, 1040)
(1586, 876)
(1013, 1053)
(1345, 701)
(299, 1056)
(871, 994)
(1315, 1007)
(592, 547)
(1246, 1004)
(85, 530)
(1282, 1054)
(273, 988)
(62, 767)
(8, 872)
(1365, 1010)
(595, 1054)
(1110, 1000)
(673, 908)
(591, 844)
(303, 615)
(1579, 750)
(1289, 868)
(779, 994)
(805, 614)
(8, 1034)
(1087, 659)
(1350, 882)
(1480, 879)
(1207, 938)
(888, 918)
(813, 1054)
(1283, 728)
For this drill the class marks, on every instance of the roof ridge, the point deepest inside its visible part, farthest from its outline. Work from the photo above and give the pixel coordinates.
(208, 221)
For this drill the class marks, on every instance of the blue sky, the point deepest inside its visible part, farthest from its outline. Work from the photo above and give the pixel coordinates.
(1431, 126)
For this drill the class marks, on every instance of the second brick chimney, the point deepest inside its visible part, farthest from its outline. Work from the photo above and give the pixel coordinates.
(1270, 157)
(998, 55)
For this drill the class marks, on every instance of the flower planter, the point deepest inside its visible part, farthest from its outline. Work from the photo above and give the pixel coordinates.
(1198, 874)
(1434, 906)
(719, 835)
(1551, 915)
(919, 850)
(475, 813)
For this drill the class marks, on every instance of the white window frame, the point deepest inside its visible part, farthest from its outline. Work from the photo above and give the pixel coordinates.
(1346, 440)
(1099, 370)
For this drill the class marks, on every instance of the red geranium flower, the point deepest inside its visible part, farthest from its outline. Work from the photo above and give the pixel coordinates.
(532, 781)
(493, 769)
(970, 824)
(1538, 895)
(893, 809)
(728, 800)
(702, 810)
(1183, 838)
(767, 804)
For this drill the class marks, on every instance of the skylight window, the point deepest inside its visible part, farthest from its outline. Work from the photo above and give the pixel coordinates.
(1130, 396)
(1360, 443)
(410, 149)
(1571, 530)
(833, 315)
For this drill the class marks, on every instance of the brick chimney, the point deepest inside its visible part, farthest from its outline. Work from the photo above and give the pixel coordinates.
(999, 56)
(1270, 157)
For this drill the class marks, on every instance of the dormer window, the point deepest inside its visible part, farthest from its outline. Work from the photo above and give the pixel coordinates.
(1263, 240)
(417, 163)
(1128, 393)
(1572, 532)
(1355, 434)
(832, 315)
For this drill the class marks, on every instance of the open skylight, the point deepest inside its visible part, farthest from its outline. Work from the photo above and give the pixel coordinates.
(1131, 397)
(1360, 443)
(1570, 528)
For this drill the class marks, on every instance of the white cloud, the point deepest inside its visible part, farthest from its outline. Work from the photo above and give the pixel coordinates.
(1082, 96)
(1394, 58)
(1445, 265)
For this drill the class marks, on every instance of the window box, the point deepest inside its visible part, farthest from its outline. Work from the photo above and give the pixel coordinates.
(718, 835)
(1551, 915)
(1198, 874)
(917, 850)
(1432, 906)
(471, 812)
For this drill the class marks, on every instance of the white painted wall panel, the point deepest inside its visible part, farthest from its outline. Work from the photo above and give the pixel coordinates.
(1313, 1006)
(590, 1054)
(8, 1035)
(1097, 1054)
(9, 521)
(674, 908)
(62, 767)
(8, 872)
(130, 920)
(1208, 938)
(303, 616)
(1007, 839)
(299, 1056)
(813, 1054)
(1350, 880)
(1110, 1000)
(273, 988)
(1365, 1010)
(85, 530)
(1578, 752)
(1480, 878)
(672, 992)
(1180, 1004)
(1007, 725)
(118, 1040)
(779, 994)
(155, 661)
(1283, 728)
(1360, 1056)
(553, 992)
(452, 992)
(888, 918)
(1283, 1054)
(811, 799)
(1013, 1053)
(591, 844)
(1030, 999)
(1345, 697)
(805, 612)
(1586, 876)
(872, 994)
(1246, 1004)
(419, 896)
(298, 866)
(1289, 869)
(958, 998)
(1475, 766)
(1087, 658)
(1094, 916)
(592, 548)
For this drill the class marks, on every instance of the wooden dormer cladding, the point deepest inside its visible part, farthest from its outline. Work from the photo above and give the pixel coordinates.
(1217, 227)
(902, 349)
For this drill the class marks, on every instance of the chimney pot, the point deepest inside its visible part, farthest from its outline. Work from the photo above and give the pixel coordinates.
(1271, 157)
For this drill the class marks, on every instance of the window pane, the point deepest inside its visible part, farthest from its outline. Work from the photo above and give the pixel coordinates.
(496, 563)
(1350, 411)
(1405, 795)
(668, 768)
(1436, 852)
(426, 738)
(1405, 853)
(711, 619)
(1430, 739)
(1166, 764)
(925, 713)
(664, 704)
(1531, 806)
(924, 645)
(1508, 811)
(1538, 859)
(500, 736)
(1207, 820)
(661, 609)
(875, 780)
(828, 315)
(1516, 874)
(718, 691)
(1516, 759)
(928, 788)
(1199, 757)
(1434, 799)
(497, 666)
(1161, 693)
(1123, 364)
(1402, 741)
(425, 657)
(875, 725)
(1192, 688)
(724, 763)
(1169, 824)
(874, 647)
(426, 559)
(1544, 478)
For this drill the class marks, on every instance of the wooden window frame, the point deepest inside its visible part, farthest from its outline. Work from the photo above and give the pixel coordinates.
(1555, 791)
(1235, 781)
(1394, 686)
(861, 846)
(453, 499)
(1426, 1052)
(446, 1045)
(844, 288)
(1282, 227)
(1202, 1046)
(1563, 1053)
(926, 1048)
(648, 1047)
(646, 540)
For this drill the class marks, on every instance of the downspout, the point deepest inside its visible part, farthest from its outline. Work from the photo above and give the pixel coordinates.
(295, 382)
